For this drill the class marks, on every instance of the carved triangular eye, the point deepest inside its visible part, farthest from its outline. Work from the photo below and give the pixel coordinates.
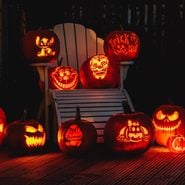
(160, 115)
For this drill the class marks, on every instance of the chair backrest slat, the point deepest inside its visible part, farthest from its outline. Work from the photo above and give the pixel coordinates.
(77, 44)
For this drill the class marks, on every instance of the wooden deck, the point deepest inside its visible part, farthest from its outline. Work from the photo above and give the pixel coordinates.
(52, 167)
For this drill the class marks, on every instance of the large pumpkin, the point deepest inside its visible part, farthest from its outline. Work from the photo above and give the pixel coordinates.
(63, 77)
(168, 120)
(122, 45)
(99, 72)
(24, 136)
(41, 46)
(129, 133)
(3, 123)
(76, 136)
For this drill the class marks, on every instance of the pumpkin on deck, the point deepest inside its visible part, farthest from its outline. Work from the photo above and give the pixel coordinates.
(3, 122)
(129, 133)
(176, 144)
(99, 72)
(41, 46)
(63, 77)
(168, 120)
(76, 136)
(122, 45)
(25, 136)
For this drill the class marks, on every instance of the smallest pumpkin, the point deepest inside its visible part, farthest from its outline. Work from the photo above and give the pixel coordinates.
(176, 144)
(76, 136)
(24, 136)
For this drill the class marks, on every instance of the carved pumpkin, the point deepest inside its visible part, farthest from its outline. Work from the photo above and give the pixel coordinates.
(129, 133)
(25, 136)
(41, 46)
(3, 122)
(63, 77)
(76, 136)
(168, 120)
(176, 143)
(99, 72)
(122, 45)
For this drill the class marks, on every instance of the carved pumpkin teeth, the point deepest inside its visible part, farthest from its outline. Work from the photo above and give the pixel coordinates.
(35, 141)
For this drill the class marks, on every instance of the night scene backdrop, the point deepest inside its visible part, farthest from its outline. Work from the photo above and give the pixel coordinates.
(157, 76)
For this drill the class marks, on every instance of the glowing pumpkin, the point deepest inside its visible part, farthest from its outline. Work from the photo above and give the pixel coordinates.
(25, 136)
(63, 77)
(128, 133)
(41, 46)
(76, 136)
(176, 143)
(168, 120)
(122, 45)
(3, 122)
(99, 72)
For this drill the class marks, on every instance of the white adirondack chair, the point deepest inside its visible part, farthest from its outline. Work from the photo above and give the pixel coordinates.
(77, 44)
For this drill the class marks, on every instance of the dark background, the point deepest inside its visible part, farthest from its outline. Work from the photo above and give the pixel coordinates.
(157, 77)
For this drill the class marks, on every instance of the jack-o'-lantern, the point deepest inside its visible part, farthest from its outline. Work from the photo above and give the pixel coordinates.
(76, 136)
(129, 133)
(99, 72)
(168, 120)
(41, 46)
(25, 136)
(176, 144)
(122, 45)
(63, 77)
(3, 122)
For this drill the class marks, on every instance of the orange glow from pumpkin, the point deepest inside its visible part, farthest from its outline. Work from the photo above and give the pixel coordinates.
(73, 136)
(133, 132)
(45, 46)
(99, 66)
(35, 140)
(124, 44)
(1, 127)
(64, 77)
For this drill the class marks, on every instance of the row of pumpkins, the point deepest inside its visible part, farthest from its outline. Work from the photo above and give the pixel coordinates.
(124, 133)
(98, 71)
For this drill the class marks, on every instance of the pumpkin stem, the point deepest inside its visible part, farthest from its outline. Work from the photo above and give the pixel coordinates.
(24, 115)
(121, 27)
(78, 116)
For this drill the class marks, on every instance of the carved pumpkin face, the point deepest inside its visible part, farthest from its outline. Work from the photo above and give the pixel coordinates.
(99, 72)
(122, 45)
(3, 122)
(168, 120)
(176, 143)
(129, 133)
(26, 135)
(41, 46)
(76, 137)
(63, 77)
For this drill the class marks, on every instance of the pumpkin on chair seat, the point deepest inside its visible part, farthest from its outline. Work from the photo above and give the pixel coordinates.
(99, 72)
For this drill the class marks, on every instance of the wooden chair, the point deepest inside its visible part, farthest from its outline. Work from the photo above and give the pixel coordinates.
(77, 44)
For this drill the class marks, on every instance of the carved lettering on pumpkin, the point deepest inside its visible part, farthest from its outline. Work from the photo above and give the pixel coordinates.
(133, 132)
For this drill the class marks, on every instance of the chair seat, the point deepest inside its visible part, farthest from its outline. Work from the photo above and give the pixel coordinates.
(96, 105)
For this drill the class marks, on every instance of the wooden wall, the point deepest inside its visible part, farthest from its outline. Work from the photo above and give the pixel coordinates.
(155, 78)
